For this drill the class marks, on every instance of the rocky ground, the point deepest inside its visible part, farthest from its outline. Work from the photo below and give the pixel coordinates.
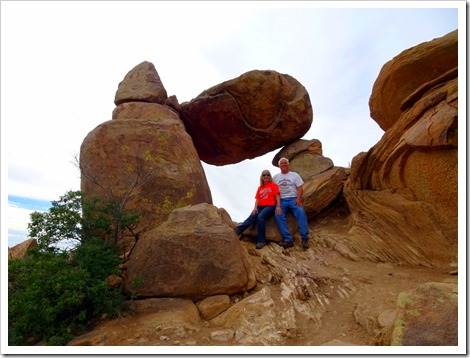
(346, 295)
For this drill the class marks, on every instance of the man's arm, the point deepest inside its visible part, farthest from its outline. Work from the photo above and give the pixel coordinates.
(300, 193)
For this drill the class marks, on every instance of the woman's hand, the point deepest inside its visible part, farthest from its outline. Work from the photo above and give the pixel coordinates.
(278, 210)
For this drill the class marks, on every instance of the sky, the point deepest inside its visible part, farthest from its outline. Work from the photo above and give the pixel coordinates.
(61, 63)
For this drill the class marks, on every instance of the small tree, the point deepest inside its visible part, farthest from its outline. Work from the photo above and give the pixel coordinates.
(61, 286)
(119, 220)
(61, 227)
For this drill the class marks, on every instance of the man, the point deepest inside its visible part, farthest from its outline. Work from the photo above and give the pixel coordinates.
(291, 189)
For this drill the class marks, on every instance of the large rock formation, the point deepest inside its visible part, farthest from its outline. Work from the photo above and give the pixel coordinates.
(143, 159)
(248, 116)
(323, 181)
(195, 254)
(402, 75)
(403, 192)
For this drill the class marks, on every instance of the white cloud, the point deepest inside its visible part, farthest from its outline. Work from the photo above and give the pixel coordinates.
(18, 219)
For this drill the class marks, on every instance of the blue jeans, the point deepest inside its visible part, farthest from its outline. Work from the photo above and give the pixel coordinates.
(264, 213)
(298, 212)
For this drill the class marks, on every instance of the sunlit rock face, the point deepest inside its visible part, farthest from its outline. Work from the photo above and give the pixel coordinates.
(141, 84)
(143, 159)
(194, 254)
(402, 193)
(150, 165)
(402, 75)
(247, 117)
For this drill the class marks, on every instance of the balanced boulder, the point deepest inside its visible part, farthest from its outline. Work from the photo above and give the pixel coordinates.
(247, 117)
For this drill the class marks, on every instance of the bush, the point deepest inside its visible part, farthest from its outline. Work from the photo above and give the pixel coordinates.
(54, 293)
(52, 297)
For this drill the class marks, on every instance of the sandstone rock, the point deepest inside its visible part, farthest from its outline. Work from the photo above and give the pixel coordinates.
(222, 335)
(151, 320)
(151, 166)
(402, 193)
(141, 84)
(320, 190)
(19, 251)
(366, 316)
(248, 116)
(253, 320)
(114, 281)
(313, 146)
(193, 254)
(172, 102)
(402, 75)
(309, 165)
(272, 232)
(143, 110)
(427, 315)
(387, 317)
(323, 181)
(212, 306)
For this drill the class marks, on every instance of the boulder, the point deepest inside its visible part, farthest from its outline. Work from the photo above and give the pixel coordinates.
(322, 189)
(141, 84)
(403, 193)
(402, 75)
(254, 321)
(323, 181)
(312, 146)
(427, 316)
(150, 165)
(194, 254)
(211, 307)
(19, 251)
(144, 110)
(247, 117)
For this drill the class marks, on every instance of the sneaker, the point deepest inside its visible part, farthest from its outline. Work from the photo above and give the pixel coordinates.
(286, 244)
(305, 243)
(260, 245)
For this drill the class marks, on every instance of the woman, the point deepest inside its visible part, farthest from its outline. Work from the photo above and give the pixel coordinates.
(267, 201)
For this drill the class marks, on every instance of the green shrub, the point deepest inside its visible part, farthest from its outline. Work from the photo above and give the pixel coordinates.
(52, 297)
(56, 290)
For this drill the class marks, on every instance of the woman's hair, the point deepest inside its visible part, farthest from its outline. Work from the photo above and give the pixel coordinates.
(261, 181)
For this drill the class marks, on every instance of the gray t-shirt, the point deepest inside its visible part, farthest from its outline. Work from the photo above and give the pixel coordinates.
(288, 184)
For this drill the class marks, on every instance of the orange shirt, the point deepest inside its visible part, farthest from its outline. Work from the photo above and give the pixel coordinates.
(266, 194)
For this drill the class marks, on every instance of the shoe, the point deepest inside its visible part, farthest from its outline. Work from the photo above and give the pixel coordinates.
(260, 245)
(305, 243)
(286, 244)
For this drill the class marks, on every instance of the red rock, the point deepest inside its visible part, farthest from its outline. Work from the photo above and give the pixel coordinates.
(247, 117)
